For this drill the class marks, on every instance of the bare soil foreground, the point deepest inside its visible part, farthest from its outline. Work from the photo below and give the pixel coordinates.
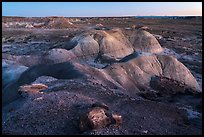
(101, 76)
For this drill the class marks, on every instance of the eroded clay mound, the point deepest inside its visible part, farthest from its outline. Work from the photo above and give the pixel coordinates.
(113, 44)
(59, 55)
(172, 68)
(144, 41)
(138, 71)
(102, 43)
(84, 46)
(95, 46)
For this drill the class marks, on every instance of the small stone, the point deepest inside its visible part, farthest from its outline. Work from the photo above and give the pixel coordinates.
(145, 131)
(117, 118)
(33, 88)
(40, 98)
(94, 119)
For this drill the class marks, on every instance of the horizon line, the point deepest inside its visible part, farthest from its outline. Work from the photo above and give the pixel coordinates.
(106, 16)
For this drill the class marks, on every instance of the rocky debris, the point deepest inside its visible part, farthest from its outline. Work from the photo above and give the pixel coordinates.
(102, 28)
(167, 86)
(145, 28)
(58, 112)
(133, 26)
(95, 118)
(136, 27)
(145, 131)
(47, 22)
(17, 25)
(118, 119)
(99, 25)
(151, 95)
(31, 89)
(158, 36)
(98, 117)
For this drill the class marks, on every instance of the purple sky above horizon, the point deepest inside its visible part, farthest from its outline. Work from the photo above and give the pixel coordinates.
(97, 9)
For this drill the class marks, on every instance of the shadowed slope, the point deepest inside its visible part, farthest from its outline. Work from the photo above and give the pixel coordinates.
(62, 71)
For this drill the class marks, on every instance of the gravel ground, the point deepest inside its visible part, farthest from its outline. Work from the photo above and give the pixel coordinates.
(56, 110)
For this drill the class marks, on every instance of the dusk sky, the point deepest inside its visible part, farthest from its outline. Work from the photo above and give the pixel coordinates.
(81, 9)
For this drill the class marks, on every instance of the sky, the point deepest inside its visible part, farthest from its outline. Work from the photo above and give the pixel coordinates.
(101, 9)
